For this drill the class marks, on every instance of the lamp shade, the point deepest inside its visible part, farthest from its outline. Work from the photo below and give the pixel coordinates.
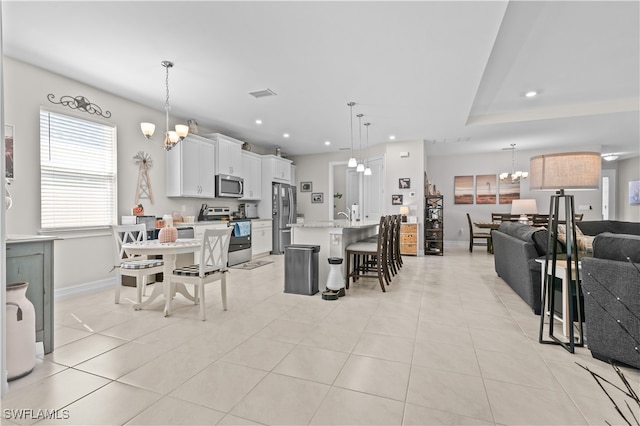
(404, 210)
(568, 170)
(526, 206)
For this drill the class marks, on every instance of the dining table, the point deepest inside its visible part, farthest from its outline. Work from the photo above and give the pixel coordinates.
(169, 252)
(487, 225)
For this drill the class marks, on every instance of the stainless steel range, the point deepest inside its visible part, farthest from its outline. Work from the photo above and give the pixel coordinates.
(240, 243)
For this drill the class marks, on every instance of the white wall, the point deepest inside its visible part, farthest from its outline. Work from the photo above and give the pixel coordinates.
(81, 258)
(442, 169)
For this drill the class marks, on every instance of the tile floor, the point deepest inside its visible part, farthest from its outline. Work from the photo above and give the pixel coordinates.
(449, 343)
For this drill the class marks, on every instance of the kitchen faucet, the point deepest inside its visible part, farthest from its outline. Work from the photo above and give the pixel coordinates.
(345, 215)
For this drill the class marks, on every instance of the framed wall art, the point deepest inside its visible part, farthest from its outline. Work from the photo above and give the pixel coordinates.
(306, 186)
(317, 197)
(486, 189)
(8, 151)
(634, 192)
(508, 191)
(404, 183)
(463, 189)
(396, 199)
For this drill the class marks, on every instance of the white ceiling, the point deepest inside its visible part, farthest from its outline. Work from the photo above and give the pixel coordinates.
(449, 72)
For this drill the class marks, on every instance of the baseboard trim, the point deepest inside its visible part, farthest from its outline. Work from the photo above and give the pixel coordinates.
(82, 289)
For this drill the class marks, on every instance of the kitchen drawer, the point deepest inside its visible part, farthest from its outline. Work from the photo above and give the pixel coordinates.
(409, 249)
(261, 224)
(408, 238)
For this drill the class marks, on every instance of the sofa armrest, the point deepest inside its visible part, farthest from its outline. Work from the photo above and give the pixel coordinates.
(612, 309)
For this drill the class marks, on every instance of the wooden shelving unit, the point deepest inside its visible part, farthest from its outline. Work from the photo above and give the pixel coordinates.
(433, 225)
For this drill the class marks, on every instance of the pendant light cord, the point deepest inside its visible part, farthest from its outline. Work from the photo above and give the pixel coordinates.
(351, 104)
(167, 107)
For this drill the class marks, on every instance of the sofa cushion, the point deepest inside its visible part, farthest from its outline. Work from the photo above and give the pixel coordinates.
(595, 227)
(531, 234)
(621, 247)
(518, 230)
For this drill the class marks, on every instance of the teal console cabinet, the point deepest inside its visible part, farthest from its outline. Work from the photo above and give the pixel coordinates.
(30, 259)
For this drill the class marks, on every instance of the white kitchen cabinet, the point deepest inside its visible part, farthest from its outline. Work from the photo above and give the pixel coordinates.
(251, 173)
(190, 170)
(228, 154)
(277, 169)
(261, 237)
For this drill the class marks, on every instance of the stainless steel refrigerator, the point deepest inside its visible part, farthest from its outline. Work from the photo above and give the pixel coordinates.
(283, 210)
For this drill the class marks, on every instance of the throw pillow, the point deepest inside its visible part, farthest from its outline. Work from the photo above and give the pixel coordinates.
(584, 242)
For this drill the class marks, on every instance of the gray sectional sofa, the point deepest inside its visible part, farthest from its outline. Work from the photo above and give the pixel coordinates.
(610, 281)
(516, 247)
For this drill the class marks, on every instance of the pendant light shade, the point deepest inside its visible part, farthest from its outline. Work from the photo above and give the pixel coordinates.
(352, 161)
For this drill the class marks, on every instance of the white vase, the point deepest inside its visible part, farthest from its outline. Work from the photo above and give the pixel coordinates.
(21, 332)
(335, 281)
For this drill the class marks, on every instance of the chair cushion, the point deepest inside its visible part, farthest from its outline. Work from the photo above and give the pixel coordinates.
(141, 264)
(363, 246)
(194, 271)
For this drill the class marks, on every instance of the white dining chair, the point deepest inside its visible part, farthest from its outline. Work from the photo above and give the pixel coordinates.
(212, 266)
(138, 267)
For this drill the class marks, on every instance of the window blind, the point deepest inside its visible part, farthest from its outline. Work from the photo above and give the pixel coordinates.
(77, 172)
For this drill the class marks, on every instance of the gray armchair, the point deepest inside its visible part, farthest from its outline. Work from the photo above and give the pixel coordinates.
(611, 289)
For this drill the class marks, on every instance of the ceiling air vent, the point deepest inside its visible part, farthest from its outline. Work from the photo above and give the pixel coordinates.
(263, 93)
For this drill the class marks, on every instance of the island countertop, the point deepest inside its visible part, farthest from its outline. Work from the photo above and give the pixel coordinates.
(337, 224)
(333, 237)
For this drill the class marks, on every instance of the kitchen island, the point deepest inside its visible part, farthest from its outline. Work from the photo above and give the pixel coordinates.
(333, 237)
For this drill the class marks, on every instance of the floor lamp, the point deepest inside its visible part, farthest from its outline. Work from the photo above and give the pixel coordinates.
(560, 172)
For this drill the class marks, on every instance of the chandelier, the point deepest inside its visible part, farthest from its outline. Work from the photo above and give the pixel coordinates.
(171, 138)
(514, 176)
(352, 160)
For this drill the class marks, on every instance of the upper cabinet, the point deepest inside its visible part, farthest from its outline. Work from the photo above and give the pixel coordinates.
(251, 173)
(190, 171)
(228, 154)
(276, 169)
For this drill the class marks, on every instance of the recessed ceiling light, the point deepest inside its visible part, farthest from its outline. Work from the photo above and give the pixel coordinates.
(610, 157)
(392, 138)
(531, 94)
(286, 135)
(258, 121)
(327, 143)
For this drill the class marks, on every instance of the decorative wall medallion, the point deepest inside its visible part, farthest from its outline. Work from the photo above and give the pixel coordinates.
(81, 103)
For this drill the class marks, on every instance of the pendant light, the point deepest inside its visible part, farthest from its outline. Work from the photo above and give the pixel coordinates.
(352, 161)
(367, 170)
(360, 167)
(514, 176)
(171, 138)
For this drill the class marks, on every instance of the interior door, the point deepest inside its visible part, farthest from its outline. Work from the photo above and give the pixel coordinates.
(374, 190)
(352, 188)
(608, 194)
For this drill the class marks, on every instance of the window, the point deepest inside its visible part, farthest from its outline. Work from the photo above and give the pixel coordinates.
(77, 172)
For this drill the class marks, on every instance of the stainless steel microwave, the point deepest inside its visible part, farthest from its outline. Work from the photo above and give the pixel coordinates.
(229, 186)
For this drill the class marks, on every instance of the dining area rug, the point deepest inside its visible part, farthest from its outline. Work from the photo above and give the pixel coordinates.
(251, 264)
